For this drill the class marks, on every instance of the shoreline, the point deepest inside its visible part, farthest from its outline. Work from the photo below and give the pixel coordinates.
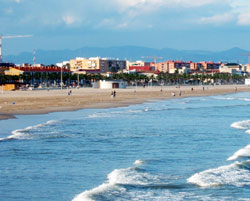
(14, 103)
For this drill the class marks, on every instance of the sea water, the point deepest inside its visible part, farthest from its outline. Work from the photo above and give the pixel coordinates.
(181, 149)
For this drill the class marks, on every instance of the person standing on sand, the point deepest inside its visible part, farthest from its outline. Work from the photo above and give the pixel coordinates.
(180, 93)
(114, 93)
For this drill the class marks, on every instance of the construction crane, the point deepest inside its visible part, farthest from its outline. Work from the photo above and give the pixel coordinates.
(6, 37)
(154, 57)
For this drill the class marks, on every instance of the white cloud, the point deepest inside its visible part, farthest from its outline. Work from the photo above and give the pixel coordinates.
(69, 19)
(156, 4)
(244, 19)
(17, 1)
(217, 19)
(242, 9)
(240, 6)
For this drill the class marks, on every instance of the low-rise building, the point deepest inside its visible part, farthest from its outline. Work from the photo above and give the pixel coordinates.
(13, 71)
(137, 63)
(232, 68)
(5, 66)
(141, 68)
(110, 84)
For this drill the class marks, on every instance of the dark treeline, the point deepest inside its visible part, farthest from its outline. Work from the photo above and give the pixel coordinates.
(49, 79)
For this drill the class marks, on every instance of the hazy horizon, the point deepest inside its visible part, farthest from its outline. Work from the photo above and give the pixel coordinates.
(185, 24)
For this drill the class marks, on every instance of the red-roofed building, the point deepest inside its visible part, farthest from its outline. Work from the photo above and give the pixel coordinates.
(140, 68)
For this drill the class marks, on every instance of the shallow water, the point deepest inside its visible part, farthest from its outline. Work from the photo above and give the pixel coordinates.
(186, 149)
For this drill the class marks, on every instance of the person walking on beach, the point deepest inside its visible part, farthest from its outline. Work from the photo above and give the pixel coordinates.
(114, 93)
(180, 93)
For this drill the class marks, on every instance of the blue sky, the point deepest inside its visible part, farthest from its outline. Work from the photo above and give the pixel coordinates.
(71, 24)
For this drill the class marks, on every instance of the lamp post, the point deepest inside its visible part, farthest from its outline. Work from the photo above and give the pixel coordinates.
(61, 78)
(78, 80)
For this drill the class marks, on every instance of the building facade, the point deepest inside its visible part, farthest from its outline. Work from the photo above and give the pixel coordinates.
(98, 64)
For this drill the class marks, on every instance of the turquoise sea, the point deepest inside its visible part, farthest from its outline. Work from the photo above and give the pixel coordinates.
(181, 149)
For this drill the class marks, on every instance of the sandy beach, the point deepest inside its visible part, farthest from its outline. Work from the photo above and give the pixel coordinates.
(44, 101)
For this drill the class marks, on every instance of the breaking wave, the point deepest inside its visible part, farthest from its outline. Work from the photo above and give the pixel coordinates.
(243, 125)
(128, 184)
(26, 133)
(242, 153)
(236, 174)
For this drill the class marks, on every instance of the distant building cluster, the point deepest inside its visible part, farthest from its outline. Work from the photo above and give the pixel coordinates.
(59, 75)
(105, 66)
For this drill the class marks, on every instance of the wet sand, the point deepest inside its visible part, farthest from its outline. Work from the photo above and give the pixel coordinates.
(44, 101)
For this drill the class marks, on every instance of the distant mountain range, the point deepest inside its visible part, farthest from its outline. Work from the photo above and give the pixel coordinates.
(131, 53)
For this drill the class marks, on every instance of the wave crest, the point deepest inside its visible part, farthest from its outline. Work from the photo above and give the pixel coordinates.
(236, 174)
(117, 182)
(25, 133)
(242, 153)
(241, 125)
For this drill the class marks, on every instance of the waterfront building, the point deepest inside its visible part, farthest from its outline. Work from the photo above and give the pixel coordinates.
(162, 67)
(210, 65)
(5, 66)
(247, 68)
(142, 68)
(110, 84)
(232, 68)
(98, 64)
(137, 63)
(173, 67)
(195, 66)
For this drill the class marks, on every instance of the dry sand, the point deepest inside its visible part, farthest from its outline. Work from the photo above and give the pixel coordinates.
(43, 101)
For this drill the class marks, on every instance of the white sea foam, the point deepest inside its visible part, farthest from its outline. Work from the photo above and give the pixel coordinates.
(20, 134)
(245, 99)
(99, 115)
(241, 125)
(225, 175)
(245, 152)
(225, 98)
(138, 162)
(113, 114)
(115, 180)
(115, 188)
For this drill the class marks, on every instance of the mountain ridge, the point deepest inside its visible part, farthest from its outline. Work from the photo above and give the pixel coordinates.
(132, 53)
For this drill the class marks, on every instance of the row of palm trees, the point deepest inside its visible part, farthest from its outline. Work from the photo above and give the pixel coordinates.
(135, 78)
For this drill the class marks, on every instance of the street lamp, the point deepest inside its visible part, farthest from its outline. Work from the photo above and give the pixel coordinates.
(78, 80)
(61, 78)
